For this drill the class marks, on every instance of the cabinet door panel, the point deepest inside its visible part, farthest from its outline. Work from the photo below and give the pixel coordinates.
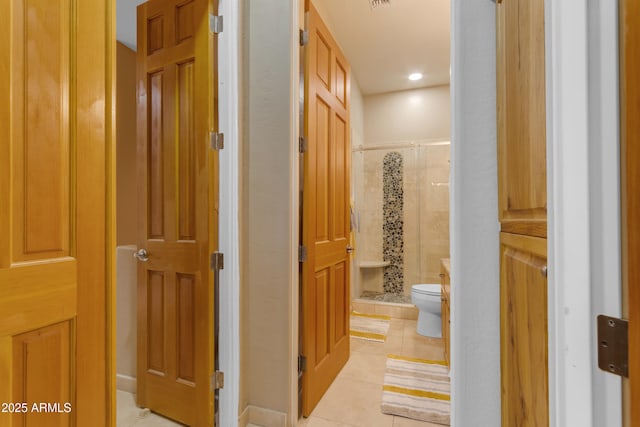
(521, 117)
(523, 315)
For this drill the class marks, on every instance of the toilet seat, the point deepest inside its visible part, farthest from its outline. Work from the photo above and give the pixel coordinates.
(427, 289)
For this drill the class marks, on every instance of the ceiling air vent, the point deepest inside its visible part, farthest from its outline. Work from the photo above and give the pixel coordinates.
(379, 3)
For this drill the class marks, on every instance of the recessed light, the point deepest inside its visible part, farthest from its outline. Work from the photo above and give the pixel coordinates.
(415, 76)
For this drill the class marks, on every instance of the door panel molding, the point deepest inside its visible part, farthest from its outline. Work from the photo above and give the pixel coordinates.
(54, 195)
(522, 211)
(178, 208)
(325, 289)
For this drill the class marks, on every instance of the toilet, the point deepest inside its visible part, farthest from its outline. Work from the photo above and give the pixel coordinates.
(427, 298)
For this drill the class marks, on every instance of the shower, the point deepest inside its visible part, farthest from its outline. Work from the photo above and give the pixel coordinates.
(401, 217)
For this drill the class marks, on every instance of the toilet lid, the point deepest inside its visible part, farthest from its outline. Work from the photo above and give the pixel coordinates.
(427, 289)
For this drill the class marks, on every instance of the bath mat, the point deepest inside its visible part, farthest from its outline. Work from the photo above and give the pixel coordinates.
(417, 388)
(372, 327)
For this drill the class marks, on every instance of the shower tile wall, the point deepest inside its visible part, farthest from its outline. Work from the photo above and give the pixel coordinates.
(369, 199)
(393, 218)
(433, 173)
(426, 214)
(411, 219)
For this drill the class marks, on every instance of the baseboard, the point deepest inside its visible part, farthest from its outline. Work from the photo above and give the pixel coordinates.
(262, 417)
(126, 383)
(243, 419)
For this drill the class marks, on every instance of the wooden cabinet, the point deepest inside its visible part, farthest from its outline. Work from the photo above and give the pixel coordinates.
(446, 292)
(522, 183)
(522, 198)
(523, 314)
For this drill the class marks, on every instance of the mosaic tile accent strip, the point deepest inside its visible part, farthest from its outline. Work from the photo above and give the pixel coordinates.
(393, 223)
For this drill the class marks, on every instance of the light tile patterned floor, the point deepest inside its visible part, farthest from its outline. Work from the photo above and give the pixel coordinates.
(129, 415)
(354, 398)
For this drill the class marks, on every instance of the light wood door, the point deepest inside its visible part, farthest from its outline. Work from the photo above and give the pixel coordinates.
(630, 161)
(325, 223)
(521, 117)
(522, 211)
(523, 314)
(54, 136)
(177, 224)
(445, 281)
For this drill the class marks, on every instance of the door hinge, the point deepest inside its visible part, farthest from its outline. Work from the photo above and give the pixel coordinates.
(216, 140)
(217, 381)
(302, 363)
(302, 253)
(217, 261)
(613, 345)
(302, 144)
(215, 24)
(304, 37)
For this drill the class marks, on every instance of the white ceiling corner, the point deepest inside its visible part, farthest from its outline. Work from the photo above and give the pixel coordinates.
(386, 44)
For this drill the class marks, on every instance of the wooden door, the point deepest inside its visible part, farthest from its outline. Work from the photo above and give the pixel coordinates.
(325, 222)
(177, 225)
(522, 200)
(521, 117)
(523, 301)
(55, 57)
(630, 162)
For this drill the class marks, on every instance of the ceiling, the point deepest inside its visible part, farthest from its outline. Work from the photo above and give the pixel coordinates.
(386, 44)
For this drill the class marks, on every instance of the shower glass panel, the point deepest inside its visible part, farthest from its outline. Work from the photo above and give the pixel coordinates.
(401, 217)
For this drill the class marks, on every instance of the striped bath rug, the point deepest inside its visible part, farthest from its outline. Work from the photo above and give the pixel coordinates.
(372, 327)
(417, 388)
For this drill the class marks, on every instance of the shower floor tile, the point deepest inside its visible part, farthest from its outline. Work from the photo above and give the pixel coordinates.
(385, 297)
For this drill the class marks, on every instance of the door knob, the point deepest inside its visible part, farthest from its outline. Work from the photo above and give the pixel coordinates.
(349, 249)
(544, 271)
(141, 255)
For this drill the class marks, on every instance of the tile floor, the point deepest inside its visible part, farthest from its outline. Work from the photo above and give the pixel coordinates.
(129, 415)
(353, 400)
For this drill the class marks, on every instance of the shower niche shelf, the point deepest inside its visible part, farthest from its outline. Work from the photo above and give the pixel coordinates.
(374, 264)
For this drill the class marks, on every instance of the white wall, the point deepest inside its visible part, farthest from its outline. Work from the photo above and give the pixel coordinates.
(126, 318)
(475, 302)
(126, 22)
(408, 115)
(269, 207)
(357, 110)
(127, 216)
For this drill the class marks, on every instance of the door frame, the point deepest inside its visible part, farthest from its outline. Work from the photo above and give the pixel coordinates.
(111, 214)
(573, 139)
(568, 196)
(228, 220)
(582, 102)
